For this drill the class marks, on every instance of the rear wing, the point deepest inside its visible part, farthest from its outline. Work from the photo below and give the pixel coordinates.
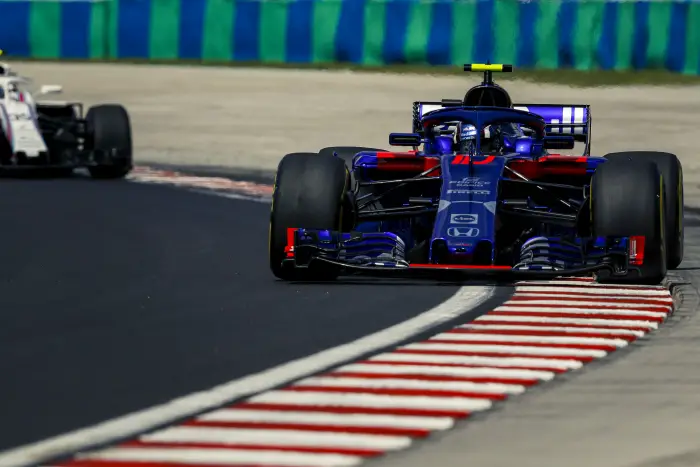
(421, 108)
(574, 120)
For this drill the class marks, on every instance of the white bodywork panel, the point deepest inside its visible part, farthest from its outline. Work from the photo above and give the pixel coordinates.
(19, 118)
(25, 134)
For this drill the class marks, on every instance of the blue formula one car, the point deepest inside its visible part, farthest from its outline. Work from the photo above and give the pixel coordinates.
(483, 197)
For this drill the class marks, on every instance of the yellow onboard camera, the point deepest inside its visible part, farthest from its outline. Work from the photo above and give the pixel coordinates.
(488, 69)
(479, 67)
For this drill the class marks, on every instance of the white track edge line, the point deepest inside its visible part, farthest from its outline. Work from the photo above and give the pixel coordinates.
(463, 301)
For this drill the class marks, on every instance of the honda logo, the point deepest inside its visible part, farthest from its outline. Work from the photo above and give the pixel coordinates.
(462, 232)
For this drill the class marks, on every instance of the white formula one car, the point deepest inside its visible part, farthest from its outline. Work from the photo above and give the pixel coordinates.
(54, 135)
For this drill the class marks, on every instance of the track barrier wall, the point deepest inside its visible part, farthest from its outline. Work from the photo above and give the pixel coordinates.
(544, 34)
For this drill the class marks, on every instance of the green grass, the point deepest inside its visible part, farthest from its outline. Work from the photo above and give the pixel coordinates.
(571, 77)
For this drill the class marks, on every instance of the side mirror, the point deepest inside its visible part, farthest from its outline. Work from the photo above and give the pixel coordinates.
(559, 142)
(405, 139)
(50, 89)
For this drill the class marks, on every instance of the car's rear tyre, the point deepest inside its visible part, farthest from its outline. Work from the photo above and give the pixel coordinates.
(309, 192)
(627, 200)
(672, 172)
(109, 133)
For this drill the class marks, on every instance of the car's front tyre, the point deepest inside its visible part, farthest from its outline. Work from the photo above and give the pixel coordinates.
(627, 200)
(671, 171)
(309, 192)
(109, 132)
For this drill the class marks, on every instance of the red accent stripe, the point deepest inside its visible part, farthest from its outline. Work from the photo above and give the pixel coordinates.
(396, 392)
(367, 430)
(637, 250)
(254, 447)
(607, 348)
(563, 158)
(495, 320)
(289, 249)
(554, 314)
(421, 377)
(535, 333)
(395, 155)
(463, 365)
(429, 163)
(462, 159)
(458, 266)
(407, 161)
(550, 165)
(352, 410)
(458, 353)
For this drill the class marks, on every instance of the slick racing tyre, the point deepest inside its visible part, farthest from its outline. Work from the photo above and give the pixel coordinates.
(672, 172)
(309, 192)
(627, 200)
(109, 135)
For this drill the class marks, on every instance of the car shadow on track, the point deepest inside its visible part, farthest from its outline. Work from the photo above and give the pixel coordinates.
(373, 281)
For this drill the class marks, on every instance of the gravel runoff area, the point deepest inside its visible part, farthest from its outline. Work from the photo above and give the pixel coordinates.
(638, 410)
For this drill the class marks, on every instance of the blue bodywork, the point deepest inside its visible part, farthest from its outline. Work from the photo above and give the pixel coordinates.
(464, 212)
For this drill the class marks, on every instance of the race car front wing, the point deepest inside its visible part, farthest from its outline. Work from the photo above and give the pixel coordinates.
(381, 254)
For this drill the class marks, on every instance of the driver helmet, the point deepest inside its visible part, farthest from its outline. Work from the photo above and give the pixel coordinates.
(14, 93)
(467, 138)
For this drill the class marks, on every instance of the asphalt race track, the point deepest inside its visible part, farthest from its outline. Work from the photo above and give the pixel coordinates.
(119, 296)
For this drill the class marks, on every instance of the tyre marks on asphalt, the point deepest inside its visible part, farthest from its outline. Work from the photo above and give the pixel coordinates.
(387, 401)
(221, 185)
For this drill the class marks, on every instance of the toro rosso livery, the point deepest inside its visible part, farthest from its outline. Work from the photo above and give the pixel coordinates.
(485, 195)
(55, 135)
